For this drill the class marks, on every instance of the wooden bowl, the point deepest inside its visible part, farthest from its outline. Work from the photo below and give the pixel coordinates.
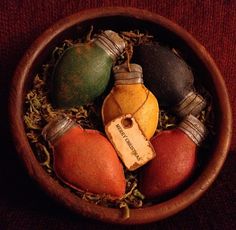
(121, 19)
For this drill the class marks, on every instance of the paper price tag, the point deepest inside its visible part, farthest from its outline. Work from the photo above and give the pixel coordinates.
(130, 143)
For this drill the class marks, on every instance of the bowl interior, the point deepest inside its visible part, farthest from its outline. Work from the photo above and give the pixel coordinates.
(165, 32)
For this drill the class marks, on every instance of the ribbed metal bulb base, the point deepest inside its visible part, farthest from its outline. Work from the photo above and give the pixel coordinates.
(128, 74)
(194, 128)
(56, 128)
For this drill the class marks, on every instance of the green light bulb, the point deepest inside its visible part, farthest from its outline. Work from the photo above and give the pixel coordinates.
(83, 71)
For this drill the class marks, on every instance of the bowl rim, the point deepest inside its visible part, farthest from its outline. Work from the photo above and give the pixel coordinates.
(64, 196)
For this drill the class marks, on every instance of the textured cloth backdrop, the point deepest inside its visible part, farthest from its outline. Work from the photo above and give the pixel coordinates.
(22, 204)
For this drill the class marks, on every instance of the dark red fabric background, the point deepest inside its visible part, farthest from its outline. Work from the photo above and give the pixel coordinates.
(22, 204)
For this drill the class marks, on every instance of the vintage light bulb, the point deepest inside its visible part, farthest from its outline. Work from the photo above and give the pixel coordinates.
(169, 78)
(176, 158)
(130, 96)
(84, 159)
(83, 71)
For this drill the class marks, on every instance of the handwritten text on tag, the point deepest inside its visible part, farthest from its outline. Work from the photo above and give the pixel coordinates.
(131, 145)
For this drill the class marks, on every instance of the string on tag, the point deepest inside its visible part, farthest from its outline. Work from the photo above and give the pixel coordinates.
(132, 114)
